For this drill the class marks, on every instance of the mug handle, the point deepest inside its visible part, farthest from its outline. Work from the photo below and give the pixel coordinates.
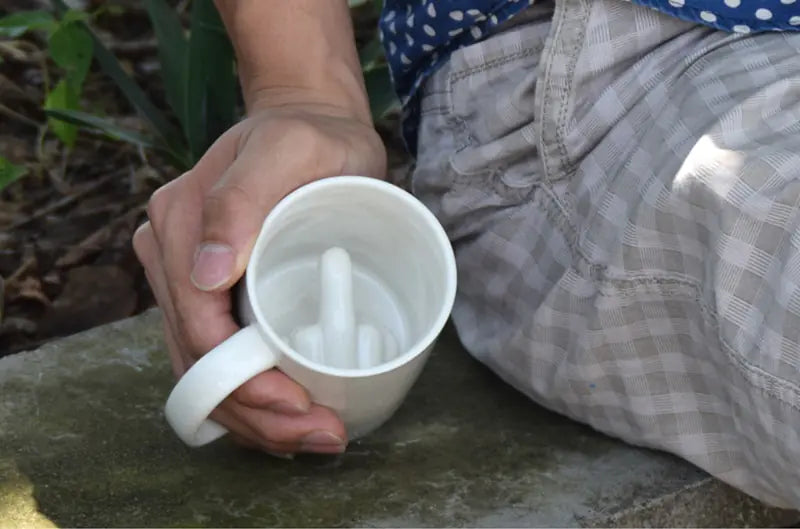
(211, 379)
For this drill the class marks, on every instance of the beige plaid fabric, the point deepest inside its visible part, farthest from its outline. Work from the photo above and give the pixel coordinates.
(623, 194)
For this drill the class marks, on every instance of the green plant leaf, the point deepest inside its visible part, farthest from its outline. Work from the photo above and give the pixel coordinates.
(382, 97)
(9, 172)
(70, 47)
(132, 92)
(371, 54)
(63, 96)
(173, 52)
(114, 131)
(211, 90)
(17, 24)
(110, 129)
(74, 15)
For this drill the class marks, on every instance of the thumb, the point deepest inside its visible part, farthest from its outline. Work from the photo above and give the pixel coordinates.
(233, 212)
(235, 207)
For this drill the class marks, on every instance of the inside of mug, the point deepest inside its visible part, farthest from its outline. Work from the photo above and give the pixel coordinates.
(352, 276)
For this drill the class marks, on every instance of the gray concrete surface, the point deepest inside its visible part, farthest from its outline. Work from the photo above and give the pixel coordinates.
(83, 442)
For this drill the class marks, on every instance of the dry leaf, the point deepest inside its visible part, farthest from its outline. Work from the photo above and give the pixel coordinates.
(28, 288)
(86, 248)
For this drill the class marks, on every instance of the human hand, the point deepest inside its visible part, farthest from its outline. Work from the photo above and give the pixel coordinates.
(200, 233)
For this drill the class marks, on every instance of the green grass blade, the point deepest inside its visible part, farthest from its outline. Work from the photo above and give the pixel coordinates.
(173, 52)
(114, 131)
(371, 54)
(110, 129)
(135, 95)
(132, 92)
(382, 97)
(211, 93)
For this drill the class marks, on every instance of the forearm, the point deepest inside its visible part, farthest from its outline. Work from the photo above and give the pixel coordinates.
(291, 51)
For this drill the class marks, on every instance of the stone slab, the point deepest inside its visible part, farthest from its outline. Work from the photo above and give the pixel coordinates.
(83, 442)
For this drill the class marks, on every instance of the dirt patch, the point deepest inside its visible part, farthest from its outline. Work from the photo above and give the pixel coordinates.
(65, 249)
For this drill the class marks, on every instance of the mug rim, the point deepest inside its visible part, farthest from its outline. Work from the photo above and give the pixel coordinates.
(421, 344)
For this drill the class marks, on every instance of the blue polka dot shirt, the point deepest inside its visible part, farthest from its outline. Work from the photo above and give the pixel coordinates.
(419, 35)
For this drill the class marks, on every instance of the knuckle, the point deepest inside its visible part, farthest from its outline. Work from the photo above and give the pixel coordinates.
(227, 202)
(143, 242)
(195, 344)
(157, 205)
(159, 202)
(229, 195)
(279, 439)
(245, 393)
(193, 332)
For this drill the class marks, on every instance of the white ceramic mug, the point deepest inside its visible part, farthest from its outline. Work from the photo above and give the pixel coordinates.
(350, 283)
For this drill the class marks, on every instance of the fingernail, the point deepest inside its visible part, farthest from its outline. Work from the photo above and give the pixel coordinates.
(288, 408)
(213, 265)
(322, 441)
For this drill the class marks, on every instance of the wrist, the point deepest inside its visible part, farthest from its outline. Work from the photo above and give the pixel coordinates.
(295, 51)
(338, 94)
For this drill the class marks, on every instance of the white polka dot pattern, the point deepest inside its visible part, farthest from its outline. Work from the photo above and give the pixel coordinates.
(419, 35)
(738, 16)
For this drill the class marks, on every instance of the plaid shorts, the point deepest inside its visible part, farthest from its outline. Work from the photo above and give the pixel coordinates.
(622, 190)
